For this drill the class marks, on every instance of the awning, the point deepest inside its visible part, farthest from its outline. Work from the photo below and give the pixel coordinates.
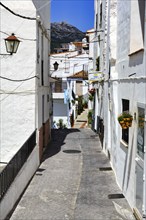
(80, 75)
(51, 79)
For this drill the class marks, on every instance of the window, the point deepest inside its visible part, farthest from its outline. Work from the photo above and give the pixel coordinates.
(42, 72)
(58, 86)
(125, 132)
(42, 61)
(96, 22)
(43, 108)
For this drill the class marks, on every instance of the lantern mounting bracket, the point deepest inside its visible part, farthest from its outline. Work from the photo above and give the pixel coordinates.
(5, 54)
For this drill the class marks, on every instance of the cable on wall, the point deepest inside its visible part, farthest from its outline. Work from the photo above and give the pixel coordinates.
(15, 88)
(18, 80)
(24, 93)
(21, 38)
(21, 16)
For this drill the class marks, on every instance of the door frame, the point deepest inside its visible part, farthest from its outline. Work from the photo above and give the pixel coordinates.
(141, 162)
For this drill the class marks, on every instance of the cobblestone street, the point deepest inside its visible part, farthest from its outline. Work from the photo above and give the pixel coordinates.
(74, 181)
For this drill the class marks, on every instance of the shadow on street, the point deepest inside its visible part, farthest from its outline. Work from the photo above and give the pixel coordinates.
(58, 137)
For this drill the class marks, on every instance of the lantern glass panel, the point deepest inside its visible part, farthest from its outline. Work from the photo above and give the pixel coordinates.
(11, 46)
(15, 46)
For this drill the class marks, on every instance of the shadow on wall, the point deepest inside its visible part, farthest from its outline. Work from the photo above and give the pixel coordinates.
(58, 137)
(128, 163)
(136, 59)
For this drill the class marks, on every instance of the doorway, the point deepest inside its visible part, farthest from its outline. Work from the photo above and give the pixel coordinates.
(140, 159)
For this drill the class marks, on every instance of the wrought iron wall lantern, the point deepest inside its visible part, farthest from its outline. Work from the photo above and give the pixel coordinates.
(12, 44)
(56, 66)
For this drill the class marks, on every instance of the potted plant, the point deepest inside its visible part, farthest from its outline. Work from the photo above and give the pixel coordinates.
(85, 104)
(90, 117)
(125, 119)
(73, 102)
(60, 123)
(91, 97)
(92, 91)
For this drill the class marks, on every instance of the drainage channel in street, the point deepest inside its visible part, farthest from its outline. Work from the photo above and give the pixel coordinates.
(105, 168)
(72, 151)
(116, 196)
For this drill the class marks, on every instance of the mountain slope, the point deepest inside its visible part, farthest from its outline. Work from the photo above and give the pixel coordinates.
(64, 33)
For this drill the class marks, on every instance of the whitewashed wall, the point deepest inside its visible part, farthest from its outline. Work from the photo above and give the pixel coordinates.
(19, 184)
(70, 63)
(43, 51)
(123, 24)
(17, 99)
(60, 111)
(123, 158)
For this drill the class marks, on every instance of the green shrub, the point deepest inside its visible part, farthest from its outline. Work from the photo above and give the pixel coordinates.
(90, 116)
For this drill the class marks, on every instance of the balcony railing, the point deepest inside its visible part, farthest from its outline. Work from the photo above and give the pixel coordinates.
(11, 170)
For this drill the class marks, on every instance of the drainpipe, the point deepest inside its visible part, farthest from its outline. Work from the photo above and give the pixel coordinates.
(144, 171)
(107, 84)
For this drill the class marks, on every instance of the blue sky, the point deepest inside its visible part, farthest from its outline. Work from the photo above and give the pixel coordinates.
(79, 13)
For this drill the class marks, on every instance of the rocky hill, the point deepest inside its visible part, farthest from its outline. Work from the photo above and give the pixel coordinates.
(64, 33)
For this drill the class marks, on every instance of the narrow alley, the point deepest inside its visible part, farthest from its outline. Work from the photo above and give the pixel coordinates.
(74, 181)
(73, 110)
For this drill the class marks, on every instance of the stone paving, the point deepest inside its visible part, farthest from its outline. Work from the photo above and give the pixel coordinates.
(73, 182)
(81, 121)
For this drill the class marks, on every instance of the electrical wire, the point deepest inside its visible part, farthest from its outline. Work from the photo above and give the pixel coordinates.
(19, 80)
(25, 92)
(63, 68)
(21, 38)
(26, 17)
(15, 88)
(74, 58)
(21, 16)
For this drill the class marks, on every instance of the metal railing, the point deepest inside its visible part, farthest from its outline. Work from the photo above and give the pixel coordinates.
(11, 170)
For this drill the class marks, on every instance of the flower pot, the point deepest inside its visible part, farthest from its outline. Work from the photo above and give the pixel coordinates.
(125, 120)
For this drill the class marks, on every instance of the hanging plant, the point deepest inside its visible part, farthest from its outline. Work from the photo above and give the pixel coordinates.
(91, 97)
(90, 116)
(125, 120)
(73, 101)
(91, 91)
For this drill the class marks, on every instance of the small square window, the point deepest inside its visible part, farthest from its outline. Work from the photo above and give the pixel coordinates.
(125, 132)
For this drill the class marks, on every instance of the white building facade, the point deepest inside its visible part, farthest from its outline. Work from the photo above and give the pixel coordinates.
(17, 97)
(69, 84)
(25, 83)
(43, 90)
(121, 48)
(24, 95)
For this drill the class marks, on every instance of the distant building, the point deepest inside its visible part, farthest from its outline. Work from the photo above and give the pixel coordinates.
(70, 74)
